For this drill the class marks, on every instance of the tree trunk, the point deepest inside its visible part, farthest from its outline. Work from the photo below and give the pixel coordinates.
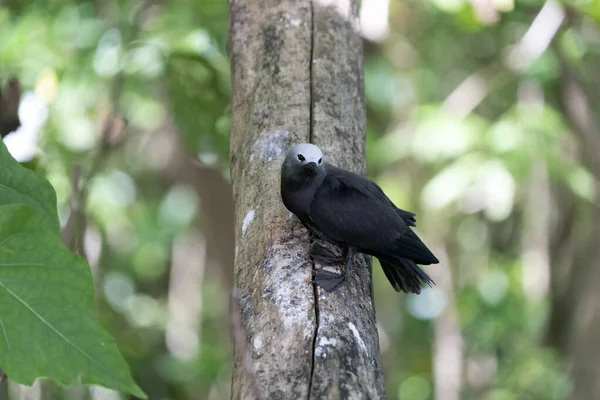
(297, 77)
(10, 97)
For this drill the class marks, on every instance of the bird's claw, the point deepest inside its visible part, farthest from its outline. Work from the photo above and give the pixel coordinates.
(328, 280)
(325, 256)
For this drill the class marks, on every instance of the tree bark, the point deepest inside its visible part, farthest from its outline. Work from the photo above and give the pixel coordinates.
(10, 98)
(297, 77)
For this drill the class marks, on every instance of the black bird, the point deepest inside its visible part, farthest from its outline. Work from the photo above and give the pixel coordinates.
(348, 210)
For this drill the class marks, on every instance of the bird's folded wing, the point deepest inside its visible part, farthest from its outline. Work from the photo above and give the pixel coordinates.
(345, 214)
(368, 188)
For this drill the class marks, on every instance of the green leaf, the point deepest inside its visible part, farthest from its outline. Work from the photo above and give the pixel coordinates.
(48, 327)
(19, 185)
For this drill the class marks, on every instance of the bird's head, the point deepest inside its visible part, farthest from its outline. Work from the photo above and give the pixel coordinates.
(304, 161)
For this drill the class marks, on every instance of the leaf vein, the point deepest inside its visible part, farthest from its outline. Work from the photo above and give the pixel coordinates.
(26, 264)
(4, 332)
(49, 325)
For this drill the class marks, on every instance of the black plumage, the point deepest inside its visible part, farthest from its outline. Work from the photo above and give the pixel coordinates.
(353, 212)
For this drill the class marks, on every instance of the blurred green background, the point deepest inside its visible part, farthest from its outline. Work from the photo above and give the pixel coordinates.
(482, 118)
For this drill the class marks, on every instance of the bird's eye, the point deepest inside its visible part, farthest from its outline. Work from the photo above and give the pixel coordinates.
(320, 160)
(301, 157)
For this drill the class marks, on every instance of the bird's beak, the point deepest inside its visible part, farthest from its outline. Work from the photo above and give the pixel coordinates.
(311, 168)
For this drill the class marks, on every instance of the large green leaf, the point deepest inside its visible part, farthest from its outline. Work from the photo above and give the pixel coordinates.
(47, 323)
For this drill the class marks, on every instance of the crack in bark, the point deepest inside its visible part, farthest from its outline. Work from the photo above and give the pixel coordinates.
(316, 332)
(310, 73)
(310, 139)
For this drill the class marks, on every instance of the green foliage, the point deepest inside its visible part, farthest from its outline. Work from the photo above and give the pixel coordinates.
(199, 98)
(47, 320)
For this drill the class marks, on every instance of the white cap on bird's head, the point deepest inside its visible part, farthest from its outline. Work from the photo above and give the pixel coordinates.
(305, 153)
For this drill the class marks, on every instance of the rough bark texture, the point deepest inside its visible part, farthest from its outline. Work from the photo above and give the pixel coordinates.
(270, 53)
(297, 77)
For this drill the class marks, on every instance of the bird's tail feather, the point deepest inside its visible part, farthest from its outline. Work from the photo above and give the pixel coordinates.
(404, 274)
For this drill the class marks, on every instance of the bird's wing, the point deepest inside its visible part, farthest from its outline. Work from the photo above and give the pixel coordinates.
(344, 213)
(369, 188)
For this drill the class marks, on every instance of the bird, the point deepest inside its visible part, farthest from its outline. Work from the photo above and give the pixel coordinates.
(351, 211)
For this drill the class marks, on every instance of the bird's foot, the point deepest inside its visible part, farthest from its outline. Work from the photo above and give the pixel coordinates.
(328, 280)
(324, 256)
